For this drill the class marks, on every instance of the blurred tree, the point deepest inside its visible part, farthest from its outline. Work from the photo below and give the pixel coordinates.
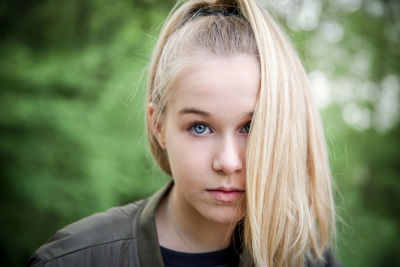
(70, 143)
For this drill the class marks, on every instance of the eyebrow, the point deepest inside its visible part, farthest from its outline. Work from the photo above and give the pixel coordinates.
(194, 111)
(248, 114)
(206, 114)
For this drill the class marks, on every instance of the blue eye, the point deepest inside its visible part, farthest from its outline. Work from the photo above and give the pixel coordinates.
(200, 129)
(246, 128)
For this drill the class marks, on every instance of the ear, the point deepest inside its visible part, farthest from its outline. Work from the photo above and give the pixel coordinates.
(156, 126)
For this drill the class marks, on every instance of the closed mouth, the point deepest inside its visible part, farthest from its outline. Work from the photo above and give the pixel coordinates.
(226, 194)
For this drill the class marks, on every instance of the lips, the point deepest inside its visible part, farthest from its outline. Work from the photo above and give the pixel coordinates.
(226, 194)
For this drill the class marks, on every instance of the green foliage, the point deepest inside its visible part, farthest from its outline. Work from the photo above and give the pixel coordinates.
(72, 138)
(71, 120)
(365, 168)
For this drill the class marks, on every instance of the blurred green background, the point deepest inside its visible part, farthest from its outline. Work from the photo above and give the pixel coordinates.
(72, 140)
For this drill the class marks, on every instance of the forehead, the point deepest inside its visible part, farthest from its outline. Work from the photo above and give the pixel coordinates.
(217, 83)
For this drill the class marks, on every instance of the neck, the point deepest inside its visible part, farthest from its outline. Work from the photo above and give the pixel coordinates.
(182, 228)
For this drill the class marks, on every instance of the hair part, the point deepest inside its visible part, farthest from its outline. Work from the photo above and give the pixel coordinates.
(290, 209)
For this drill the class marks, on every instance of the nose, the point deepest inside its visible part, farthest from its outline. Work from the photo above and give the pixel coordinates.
(228, 156)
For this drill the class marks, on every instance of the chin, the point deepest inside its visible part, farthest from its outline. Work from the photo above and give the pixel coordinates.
(226, 215)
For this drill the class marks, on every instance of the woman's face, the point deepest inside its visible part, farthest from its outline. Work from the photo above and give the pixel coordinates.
(204, 132)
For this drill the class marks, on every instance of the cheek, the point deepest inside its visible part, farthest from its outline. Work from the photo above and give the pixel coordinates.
(243, 148)
(189, 157)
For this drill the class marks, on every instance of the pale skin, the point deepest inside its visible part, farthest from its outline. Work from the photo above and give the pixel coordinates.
(204, 132)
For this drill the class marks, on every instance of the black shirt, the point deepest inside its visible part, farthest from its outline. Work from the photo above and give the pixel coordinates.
(222, 258)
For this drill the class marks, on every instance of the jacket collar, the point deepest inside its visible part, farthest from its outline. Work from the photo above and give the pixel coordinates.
(148, 245)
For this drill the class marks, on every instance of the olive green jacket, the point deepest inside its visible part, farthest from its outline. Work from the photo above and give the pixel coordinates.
(121, 236)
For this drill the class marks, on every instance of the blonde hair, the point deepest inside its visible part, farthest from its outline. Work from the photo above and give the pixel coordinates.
(290, 210)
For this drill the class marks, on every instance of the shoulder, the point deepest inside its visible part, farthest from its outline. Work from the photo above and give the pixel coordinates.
(106, 233)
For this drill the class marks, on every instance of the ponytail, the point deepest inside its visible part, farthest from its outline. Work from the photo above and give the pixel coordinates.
(290, 210)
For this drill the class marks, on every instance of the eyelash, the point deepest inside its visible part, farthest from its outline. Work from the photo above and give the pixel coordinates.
(192, 125)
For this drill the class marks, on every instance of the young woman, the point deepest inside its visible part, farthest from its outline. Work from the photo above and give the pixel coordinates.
(230, 118)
